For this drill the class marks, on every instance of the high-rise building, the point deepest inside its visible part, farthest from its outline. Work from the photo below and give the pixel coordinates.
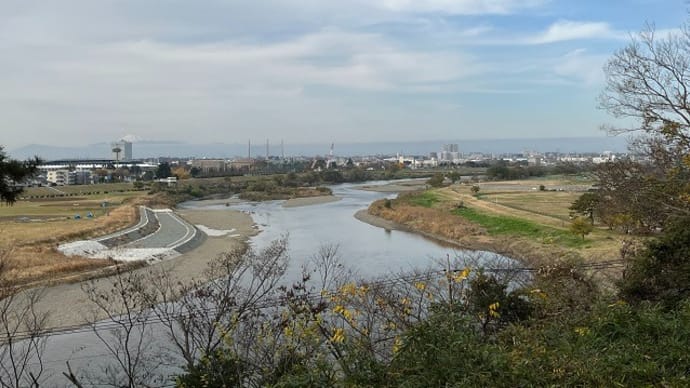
(450, 148)
(121, 151)
(449, 153)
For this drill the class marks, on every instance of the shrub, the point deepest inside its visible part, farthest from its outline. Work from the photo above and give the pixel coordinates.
(661, 271)
(436, 180)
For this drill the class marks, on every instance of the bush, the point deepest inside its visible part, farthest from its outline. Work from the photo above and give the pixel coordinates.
(436, 180)
(661, 271)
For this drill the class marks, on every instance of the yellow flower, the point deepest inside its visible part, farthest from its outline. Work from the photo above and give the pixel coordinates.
(349, 289)
(493, 310)
(397, 344)
(462, 275)
(338, 336)
(539, 293)
(582, 331)
(421, 286)
(363, 290)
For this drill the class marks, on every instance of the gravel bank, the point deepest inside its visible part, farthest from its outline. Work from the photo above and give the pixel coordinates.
(364, 216)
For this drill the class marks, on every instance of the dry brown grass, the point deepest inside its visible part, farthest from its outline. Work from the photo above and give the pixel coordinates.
(31, 247)
(439, 223)
(60, 230)
(430, 220)
(29, 264)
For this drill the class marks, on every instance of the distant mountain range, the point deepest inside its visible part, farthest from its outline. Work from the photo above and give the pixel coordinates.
(153, 149)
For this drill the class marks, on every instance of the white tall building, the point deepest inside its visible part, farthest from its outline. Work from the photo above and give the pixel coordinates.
(450, 148)
(449, 153)
(121, 151)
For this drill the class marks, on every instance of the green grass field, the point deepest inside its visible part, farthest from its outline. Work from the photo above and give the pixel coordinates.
(497, 225)
(425, 199)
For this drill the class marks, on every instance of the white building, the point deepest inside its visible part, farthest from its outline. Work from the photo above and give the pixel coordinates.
(58, 177)
(449, 153)
(121, 151)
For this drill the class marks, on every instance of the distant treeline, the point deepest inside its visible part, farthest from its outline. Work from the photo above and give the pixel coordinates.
(503, 170)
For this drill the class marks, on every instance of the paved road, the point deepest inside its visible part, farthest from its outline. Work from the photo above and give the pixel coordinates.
(172, 232)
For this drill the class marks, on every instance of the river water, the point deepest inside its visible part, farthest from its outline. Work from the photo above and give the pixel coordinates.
(367, 250)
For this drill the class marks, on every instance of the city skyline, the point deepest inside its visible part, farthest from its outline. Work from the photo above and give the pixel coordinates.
(82, 72)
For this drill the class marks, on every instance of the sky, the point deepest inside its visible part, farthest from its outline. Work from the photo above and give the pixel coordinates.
(77, 72)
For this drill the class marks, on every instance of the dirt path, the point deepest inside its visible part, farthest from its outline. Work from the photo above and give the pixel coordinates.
(456, 194)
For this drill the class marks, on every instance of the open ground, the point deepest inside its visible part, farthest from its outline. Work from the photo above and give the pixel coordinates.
(31, 229)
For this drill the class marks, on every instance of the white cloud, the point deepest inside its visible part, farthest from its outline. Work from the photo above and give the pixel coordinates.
(565, 30)
(163, 89)
(581, 67)
(464, 7)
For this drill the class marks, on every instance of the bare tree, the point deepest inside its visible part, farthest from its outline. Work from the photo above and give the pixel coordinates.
(201, 316)
(21, 340)
(649, 81)
(123, 322)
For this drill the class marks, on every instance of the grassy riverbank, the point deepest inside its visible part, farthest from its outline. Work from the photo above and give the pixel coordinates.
(524, 223)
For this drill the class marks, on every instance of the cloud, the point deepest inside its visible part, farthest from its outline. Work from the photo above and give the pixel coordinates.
(565, 30)
(461, 7)
(162, 88)
(581, 67)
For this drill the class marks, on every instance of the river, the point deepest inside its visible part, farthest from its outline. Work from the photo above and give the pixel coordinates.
(367, 250)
